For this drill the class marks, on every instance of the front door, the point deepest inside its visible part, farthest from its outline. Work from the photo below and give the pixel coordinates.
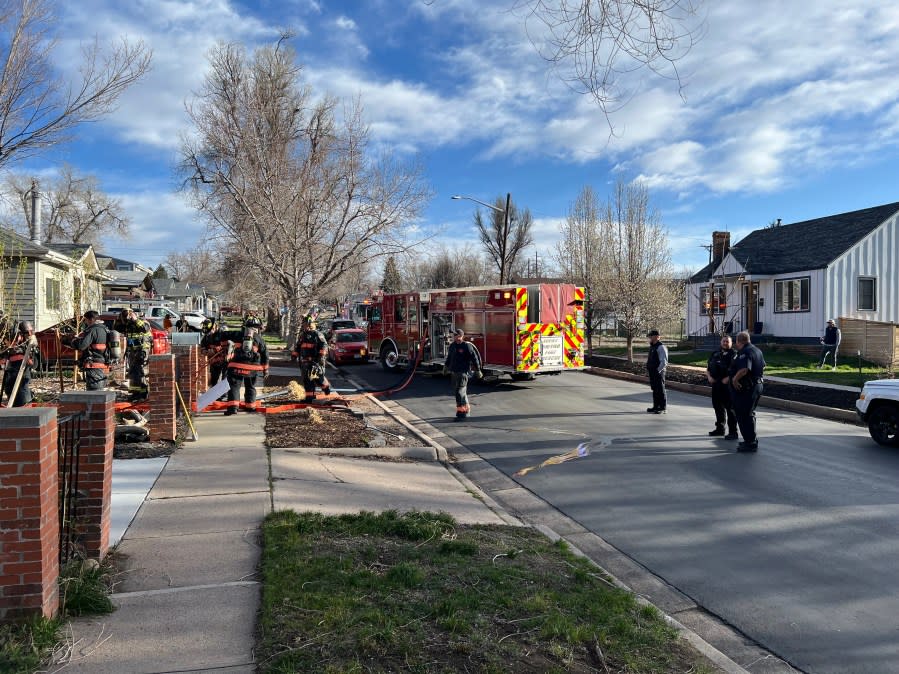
(751, 307)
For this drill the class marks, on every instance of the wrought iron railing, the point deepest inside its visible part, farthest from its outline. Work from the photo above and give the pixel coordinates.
(69, 445)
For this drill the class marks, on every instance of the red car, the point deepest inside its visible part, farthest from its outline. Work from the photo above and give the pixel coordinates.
(54, 350)
(348, 346)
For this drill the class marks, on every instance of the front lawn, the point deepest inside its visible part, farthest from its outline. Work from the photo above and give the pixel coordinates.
(420, 593)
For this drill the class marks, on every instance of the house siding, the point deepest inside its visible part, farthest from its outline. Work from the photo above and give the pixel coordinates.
(795, 324)
(18, 290)
(877, 256)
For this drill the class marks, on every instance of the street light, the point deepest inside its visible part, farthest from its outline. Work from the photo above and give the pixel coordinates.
(505, 213)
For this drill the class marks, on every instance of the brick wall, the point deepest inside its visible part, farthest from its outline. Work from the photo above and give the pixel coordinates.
(191, 373)
(94, 466)
(162, 397)
(29, 515)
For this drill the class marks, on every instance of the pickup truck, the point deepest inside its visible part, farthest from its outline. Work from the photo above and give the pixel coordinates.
(878, 407)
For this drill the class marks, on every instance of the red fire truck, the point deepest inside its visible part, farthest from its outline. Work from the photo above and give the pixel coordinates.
(522, 331)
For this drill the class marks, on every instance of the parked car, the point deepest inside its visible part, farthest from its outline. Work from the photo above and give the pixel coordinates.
(332, 324)
(878, 407)
(194, 319)
(348, 346)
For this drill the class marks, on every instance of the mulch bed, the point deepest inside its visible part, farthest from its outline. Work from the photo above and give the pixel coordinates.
(813, 395)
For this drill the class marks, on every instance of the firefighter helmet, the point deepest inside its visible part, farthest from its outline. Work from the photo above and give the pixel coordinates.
(208, 325)
(252, 322)
(25, 327)
(309, 321)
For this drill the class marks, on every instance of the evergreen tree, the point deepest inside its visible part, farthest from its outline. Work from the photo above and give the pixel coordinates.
(392, 282)
(161, 272)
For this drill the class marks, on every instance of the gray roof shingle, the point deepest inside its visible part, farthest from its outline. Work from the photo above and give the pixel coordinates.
(806, 245)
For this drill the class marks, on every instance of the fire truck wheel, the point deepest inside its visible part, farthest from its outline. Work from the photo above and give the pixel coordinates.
(389, 358)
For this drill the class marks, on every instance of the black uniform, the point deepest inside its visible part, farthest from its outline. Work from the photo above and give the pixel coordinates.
(311, 350)
(719, 368)
(248, 360)
(15, 359)
(461, 360)
(746, 398)
(93, 344)
(656, 363)
(215, 346)
(138, 344)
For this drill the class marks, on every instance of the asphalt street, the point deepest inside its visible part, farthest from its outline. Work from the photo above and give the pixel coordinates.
(794, 546)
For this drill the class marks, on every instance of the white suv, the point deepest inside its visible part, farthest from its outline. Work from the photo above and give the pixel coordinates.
(878, 407)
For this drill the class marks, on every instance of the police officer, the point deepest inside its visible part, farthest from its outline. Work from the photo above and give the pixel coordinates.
(215, 345)
(718, 373)
(311, 350)
(22, 354)
(93, 344)
(462, 360)
(138, 344)
(656, 364)
(746, 388)
(248, 359)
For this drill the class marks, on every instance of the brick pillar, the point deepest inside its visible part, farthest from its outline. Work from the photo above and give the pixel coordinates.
(162, 397)
(187, 367)
(94, 466)
(29, 513)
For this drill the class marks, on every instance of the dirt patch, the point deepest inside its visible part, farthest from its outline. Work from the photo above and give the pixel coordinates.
(338, 427)
(813, 395)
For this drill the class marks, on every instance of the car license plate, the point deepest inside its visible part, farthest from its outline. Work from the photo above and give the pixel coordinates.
(357, 355)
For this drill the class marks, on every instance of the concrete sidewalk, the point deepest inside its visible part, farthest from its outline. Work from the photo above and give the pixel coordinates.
(189, 594)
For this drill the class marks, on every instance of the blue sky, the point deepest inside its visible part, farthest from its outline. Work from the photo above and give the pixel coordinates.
(788, 110)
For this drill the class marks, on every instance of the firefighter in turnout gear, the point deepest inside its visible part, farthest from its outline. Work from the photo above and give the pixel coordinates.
(22, 354)
(462, 361)
(312, 351)
(248, 359)
(138, 344)
(215, 345)
(93, 343)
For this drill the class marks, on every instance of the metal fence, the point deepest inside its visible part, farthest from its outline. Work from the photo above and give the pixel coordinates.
(69, 446)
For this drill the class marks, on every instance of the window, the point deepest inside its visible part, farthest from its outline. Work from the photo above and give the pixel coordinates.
(413, 311)
(714, 299)
(399, 310)
(51, 294)
(867, 294)
(791, 295)
(375, 314)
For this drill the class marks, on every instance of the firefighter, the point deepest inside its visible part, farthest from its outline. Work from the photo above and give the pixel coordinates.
(96, 354)
(22, 354)
(312, 351)
(461, 361)
(138, 344)
(248, 359)
(215, 345)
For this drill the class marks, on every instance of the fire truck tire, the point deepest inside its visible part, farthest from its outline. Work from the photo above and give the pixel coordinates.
(389, 358)
(523, 376)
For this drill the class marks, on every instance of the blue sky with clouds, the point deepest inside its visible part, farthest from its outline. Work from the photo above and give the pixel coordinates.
(787, 110)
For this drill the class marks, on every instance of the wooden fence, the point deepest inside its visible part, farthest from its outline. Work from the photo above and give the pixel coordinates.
(878, 342)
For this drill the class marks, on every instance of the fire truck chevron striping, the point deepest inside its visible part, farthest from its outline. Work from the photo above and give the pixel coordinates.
(518, 330)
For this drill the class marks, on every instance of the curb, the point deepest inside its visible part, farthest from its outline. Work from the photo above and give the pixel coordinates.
(818, 411)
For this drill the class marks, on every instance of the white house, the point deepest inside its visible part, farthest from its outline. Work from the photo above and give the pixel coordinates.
(787, 280)
(47, 283)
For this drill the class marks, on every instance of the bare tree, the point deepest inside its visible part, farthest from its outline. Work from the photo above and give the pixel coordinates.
(458, 267)
(37, 108)
(592, 42)
(294, 189)
(203, 265)
(582, 255)
(642, 289)
(506, 235)
(74, 209)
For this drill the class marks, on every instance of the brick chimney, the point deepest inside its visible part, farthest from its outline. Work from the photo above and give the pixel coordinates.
(720, 246)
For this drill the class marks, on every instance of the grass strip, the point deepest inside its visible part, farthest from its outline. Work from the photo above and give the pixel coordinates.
(418, 592)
